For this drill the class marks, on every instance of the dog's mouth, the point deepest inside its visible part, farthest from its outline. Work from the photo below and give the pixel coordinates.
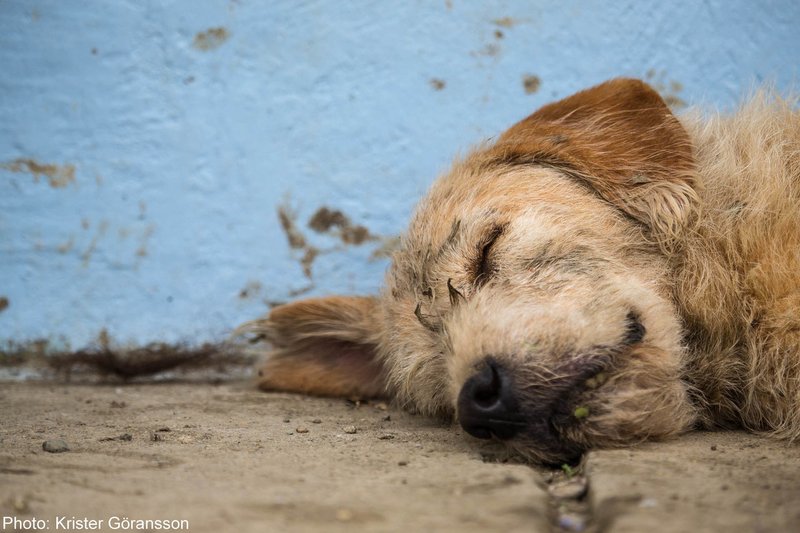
(541, 411)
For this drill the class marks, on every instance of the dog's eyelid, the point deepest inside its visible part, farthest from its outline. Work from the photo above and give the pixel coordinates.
(484, 269)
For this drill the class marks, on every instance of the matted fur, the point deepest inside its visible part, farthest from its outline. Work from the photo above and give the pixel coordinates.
(655, 261)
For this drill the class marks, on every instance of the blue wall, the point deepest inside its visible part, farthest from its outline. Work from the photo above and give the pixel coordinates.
(146, 148)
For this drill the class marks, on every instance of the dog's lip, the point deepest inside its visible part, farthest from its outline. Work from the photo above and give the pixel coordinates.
(477, 426)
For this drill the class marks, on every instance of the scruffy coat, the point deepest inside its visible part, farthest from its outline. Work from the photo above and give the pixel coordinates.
(634, 275)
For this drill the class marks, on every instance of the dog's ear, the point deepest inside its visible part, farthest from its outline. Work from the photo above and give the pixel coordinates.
(621, 138)
(323, 346)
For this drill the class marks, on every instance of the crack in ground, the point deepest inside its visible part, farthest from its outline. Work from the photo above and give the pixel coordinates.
(570, 505)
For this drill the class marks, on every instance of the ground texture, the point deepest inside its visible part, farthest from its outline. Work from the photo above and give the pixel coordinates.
(228, 458)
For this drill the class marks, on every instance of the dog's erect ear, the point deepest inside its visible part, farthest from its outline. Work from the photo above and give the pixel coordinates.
(323, 346)
(622, 139)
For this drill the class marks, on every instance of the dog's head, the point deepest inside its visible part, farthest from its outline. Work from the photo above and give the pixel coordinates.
(531, 295)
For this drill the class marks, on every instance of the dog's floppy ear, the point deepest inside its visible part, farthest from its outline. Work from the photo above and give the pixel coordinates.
(323, 346)
(621, 138)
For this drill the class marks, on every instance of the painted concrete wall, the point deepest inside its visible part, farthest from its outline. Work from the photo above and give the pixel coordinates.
(160, 162)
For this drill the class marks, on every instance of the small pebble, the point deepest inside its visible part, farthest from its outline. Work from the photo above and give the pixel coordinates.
(20, 504)
(118, 405)
(301, 430)
(714, 448)
(571, 522)
(387, 418)
(125, 437)
(316, 421)
(648, 503)
(350, 430)
(386, 437)
(156, 437)
(287, 420)
(55, 446)
(344, 515)
(402, 463)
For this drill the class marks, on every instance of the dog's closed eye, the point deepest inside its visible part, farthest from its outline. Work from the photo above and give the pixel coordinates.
(484, 267)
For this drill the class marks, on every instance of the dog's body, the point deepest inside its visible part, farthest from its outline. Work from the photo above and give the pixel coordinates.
(601, 274)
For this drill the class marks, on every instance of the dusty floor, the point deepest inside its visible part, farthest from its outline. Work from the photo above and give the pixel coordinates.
(228, 458)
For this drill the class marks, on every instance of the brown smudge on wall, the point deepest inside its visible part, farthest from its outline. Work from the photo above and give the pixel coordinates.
(65, 247)
(86, 256)
(297, 241)
(58, 176)
(531, 83)
(327, 220)
(504, 22)
(437, 84)
(667, 89)
(307, 260)
(141, 251)
(386, 249)
(4, 303)
(210, 39)
(287, 218)
(250, 290)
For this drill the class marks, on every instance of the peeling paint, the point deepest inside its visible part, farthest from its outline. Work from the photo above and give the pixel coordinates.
(58, 176)
(437, 84)
(531, 83)
(4, 303)
(210, 39)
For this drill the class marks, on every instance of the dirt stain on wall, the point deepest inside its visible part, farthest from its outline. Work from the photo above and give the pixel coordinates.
(210, 39)
(86, 256)
(250, 290)
(297, 241)
(437, 84)
(4, 303)
(287, 217)
(58, 176)
(531, 83)
(333, 221)
(668, 89)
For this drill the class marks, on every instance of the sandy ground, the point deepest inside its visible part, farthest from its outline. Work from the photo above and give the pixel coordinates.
(229, 458)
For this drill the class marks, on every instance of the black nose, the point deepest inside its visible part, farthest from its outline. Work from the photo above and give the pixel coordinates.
(486, 404)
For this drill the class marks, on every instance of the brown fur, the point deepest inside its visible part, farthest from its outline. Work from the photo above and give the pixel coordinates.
(600, 240)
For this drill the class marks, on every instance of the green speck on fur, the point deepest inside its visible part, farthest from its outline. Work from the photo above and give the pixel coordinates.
(581, 412)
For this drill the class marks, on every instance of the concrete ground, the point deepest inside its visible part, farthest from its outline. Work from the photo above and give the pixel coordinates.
(229, 458)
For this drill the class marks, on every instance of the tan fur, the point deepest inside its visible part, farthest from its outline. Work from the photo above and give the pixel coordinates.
(540, 249)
